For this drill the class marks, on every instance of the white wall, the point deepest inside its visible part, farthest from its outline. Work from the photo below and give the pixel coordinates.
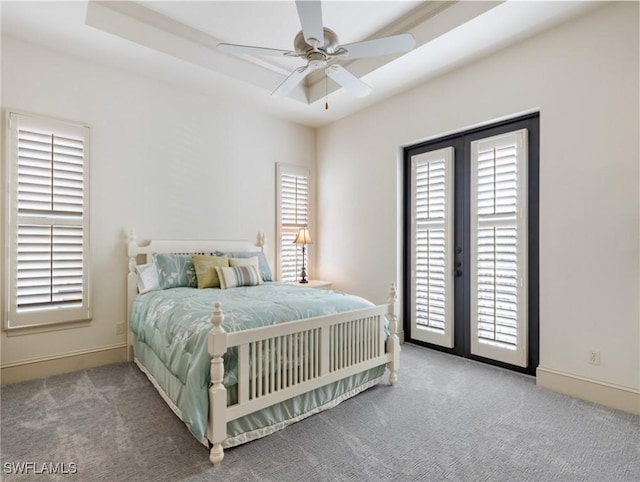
(168, 162)
(583, 77)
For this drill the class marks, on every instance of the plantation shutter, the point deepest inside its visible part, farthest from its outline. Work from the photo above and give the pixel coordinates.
(499, 247)
(48, 222)
(432, 246)
(293, 214)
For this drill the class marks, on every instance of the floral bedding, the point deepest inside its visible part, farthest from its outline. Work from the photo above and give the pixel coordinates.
(171, 328)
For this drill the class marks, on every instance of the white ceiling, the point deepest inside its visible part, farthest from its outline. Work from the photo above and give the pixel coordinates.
(175, 41)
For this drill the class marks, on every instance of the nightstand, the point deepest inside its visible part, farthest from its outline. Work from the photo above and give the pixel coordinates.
(314, 283)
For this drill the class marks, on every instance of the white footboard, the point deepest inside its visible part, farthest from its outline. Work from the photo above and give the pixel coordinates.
(279, 362)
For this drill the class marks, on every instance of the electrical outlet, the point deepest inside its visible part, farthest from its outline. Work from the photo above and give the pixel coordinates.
(594, 357)
(119, 328)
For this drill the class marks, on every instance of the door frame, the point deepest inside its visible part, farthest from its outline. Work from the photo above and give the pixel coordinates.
(462, 187)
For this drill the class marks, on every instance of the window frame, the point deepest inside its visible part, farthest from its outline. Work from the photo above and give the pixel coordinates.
(16, 322)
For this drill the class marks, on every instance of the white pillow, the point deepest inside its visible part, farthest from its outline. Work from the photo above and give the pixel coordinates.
(147, 277)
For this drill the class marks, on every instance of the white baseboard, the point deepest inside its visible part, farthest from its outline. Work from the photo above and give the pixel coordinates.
(64, 363)
(607, 394)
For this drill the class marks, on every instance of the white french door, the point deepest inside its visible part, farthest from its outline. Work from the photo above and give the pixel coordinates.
(499, 248)
(432, 247)
(468, 245)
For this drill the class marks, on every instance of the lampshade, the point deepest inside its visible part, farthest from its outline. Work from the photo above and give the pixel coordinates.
(303, 237)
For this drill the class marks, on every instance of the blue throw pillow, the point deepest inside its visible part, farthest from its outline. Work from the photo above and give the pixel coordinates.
(175, 270)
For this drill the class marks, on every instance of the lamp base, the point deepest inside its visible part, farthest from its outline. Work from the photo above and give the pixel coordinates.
(303, 275)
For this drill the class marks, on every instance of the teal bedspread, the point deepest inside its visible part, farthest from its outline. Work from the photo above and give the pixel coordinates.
(171, 328)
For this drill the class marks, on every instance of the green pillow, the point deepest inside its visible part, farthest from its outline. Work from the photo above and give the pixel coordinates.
(206, 269)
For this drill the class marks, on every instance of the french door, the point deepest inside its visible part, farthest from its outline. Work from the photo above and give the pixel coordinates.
(471, 244)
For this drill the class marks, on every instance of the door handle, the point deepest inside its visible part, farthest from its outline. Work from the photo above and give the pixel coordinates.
(458, 271)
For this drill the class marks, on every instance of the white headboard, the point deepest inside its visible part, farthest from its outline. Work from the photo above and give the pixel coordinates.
(190, 246)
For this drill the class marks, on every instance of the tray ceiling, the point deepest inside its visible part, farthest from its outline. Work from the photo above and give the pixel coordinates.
(175, 42)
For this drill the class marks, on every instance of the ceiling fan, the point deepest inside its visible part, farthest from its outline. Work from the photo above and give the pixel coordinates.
(321, 48)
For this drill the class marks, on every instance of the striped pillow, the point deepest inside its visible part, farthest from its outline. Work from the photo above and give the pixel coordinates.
(235, 276)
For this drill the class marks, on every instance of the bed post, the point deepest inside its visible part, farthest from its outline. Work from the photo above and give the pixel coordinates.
(261, 242)
(393, 342)
(132, 288)
(217, 344)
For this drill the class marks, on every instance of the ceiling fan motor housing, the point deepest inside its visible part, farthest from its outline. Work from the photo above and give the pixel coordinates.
(328, 48)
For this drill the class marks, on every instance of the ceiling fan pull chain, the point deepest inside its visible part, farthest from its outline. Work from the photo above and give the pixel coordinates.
(326, 92)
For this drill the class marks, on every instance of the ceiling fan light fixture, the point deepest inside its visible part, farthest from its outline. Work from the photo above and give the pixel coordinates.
(317, 60)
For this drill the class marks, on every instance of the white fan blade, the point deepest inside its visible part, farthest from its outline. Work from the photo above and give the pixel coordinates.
(347, 80)
(248, 50)
(310, 13)
(380, 46)
(290, 82)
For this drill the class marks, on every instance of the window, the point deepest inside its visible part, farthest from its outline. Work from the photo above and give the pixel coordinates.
(293, 214)
(48, 222)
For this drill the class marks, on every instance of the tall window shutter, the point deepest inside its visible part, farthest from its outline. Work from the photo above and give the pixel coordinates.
(499, 247)
(432, 245)
(48, 222)
(293, 214)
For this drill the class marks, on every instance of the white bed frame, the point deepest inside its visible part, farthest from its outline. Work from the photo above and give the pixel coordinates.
(298, 356)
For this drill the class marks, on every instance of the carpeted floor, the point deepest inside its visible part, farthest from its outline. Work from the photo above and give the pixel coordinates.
(446, 419)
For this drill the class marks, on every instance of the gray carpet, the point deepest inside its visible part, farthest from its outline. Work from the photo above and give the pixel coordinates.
(447, 419)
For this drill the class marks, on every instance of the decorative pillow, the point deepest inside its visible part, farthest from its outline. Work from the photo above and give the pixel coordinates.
(235, 276)
(147, 277)
(206, 269)
(175, 270)
(263, 264)
(252, 261)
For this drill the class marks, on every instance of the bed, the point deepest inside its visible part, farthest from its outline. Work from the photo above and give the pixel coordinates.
(238, 364)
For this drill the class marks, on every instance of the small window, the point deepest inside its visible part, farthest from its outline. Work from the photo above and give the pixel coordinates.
(48, 222)
(293, 214)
